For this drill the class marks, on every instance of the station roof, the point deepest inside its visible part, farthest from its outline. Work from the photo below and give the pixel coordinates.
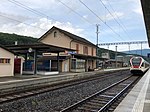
(73, 36)
(82, 56)
(40, 47)
(146, 13)
(7, 49)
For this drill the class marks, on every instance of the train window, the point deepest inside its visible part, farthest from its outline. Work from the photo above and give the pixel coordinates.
(136, 61)
(142, 65)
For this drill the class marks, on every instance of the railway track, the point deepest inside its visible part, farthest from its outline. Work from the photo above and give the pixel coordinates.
(102, 100)
(46, 88)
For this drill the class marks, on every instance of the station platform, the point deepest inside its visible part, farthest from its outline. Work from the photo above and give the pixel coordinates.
(25, 81)
(138, 99)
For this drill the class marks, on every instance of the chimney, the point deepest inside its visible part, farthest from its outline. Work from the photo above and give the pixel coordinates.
(16, 42)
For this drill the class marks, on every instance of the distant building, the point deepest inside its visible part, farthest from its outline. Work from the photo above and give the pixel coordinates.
(105, 55)
(6, 62)
(112, 63)
(125, 59)
(120, 58)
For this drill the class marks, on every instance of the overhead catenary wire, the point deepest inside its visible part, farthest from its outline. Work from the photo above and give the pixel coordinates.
(31, 9)
(75, 12)
(110, 13)
(42, 14)
(121, 24)
(100, 19)
(21, 22)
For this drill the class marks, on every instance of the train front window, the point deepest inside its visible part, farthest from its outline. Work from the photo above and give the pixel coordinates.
(136, 61)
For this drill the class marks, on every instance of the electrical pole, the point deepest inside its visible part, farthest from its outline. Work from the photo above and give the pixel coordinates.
(116, 56)
(108, 53)
(129, 47)
(141, 48)
(97, 32)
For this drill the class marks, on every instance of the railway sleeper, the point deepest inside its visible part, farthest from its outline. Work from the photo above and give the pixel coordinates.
(106, 96)
(84, 109)
(123, 84)
(91, 106)
(96, 104)
(110, 94)
(110, 109)
(117, 90)
(9, 97)
(98, 101)
(102, 98)
(2, 99)
(17, 96)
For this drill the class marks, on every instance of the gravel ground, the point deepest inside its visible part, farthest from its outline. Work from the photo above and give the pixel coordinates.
(56, 100)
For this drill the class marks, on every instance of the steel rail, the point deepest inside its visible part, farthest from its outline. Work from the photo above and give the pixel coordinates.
(36, 91)
(106, 106)
(68, 109)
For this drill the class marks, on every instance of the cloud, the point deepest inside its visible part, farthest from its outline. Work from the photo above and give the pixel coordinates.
(11, 18)
(54, 13)
(112, 16)
(138, 10)
(85, 16)
(136, 6)
(38, 28)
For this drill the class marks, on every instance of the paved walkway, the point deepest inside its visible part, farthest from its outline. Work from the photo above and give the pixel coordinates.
(24, 77)
(138, 99)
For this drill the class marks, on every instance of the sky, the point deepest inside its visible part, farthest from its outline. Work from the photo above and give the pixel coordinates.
(118, 20)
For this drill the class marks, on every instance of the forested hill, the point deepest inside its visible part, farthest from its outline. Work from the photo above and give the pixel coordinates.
(9, 39)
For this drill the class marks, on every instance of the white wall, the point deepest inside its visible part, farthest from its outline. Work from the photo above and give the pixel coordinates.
(6, 69)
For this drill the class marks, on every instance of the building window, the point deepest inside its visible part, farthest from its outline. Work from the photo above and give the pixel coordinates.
(4, 60)
(85, 50)
(73, 63)
(80, 64)
(77, 64)
(92, 51)
(55, 34)
(77, 48)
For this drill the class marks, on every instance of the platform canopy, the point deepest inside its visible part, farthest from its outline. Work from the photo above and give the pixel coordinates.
(37, 49)
(40, 47)
(146, 13)
(88, 57)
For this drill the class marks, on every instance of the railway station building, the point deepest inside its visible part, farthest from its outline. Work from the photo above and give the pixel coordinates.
(57, 51)
(6, 62)
(81, 60)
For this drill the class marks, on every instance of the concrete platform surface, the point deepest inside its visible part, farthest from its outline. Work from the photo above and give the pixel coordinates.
(25, 81)
(19, 77)
(138, 99)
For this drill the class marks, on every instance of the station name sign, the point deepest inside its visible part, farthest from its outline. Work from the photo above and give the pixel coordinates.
(70, 52)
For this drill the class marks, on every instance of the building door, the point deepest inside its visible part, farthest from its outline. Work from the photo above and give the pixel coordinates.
(65, 67)
(17, 66)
